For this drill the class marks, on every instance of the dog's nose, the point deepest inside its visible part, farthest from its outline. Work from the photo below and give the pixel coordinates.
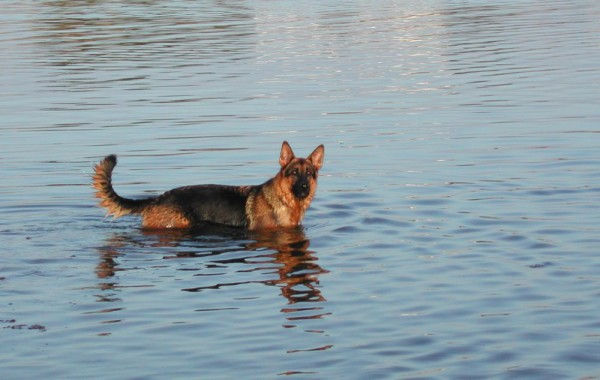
(304, 186)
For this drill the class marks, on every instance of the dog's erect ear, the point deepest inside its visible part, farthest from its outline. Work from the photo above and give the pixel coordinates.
(286, 155)
(316, 157)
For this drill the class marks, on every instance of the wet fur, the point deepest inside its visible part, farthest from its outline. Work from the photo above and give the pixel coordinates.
(279, 202)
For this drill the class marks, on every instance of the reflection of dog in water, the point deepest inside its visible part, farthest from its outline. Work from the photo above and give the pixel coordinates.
(297, 270)
(279, 202)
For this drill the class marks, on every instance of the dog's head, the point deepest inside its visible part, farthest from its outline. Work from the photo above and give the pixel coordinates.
(299, 175)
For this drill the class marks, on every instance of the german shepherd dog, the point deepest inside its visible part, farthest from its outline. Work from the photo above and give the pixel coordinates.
(279, 202)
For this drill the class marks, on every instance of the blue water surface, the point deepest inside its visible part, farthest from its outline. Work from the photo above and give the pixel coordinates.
(454, 234)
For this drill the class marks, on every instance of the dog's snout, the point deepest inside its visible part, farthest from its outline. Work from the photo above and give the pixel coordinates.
(301, 188)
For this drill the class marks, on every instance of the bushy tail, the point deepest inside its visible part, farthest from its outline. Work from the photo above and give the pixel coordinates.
(109, 199)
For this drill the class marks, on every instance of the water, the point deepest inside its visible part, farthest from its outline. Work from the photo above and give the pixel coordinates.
(455, 228)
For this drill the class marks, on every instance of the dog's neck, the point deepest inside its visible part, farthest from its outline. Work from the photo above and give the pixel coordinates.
(282, 200)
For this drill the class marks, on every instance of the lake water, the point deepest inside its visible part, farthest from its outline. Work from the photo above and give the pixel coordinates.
(455, 232)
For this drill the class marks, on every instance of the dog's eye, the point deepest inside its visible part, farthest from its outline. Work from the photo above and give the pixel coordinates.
(309, 172)
(295, 172)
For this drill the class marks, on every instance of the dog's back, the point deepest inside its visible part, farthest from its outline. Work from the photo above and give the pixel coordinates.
(209, 203)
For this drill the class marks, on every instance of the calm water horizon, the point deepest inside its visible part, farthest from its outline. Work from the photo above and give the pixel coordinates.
(454, 233)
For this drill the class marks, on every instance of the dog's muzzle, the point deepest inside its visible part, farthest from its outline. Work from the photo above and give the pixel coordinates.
(301, 188)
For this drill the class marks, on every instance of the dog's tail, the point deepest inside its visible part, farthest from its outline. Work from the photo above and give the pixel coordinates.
(109, 199)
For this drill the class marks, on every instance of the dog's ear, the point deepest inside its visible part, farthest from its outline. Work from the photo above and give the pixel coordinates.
(316, 157)
(286, 155)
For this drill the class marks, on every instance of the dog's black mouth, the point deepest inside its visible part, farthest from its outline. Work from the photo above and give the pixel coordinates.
(301, 189)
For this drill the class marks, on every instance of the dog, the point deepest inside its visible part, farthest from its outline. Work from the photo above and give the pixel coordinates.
(280, 202)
